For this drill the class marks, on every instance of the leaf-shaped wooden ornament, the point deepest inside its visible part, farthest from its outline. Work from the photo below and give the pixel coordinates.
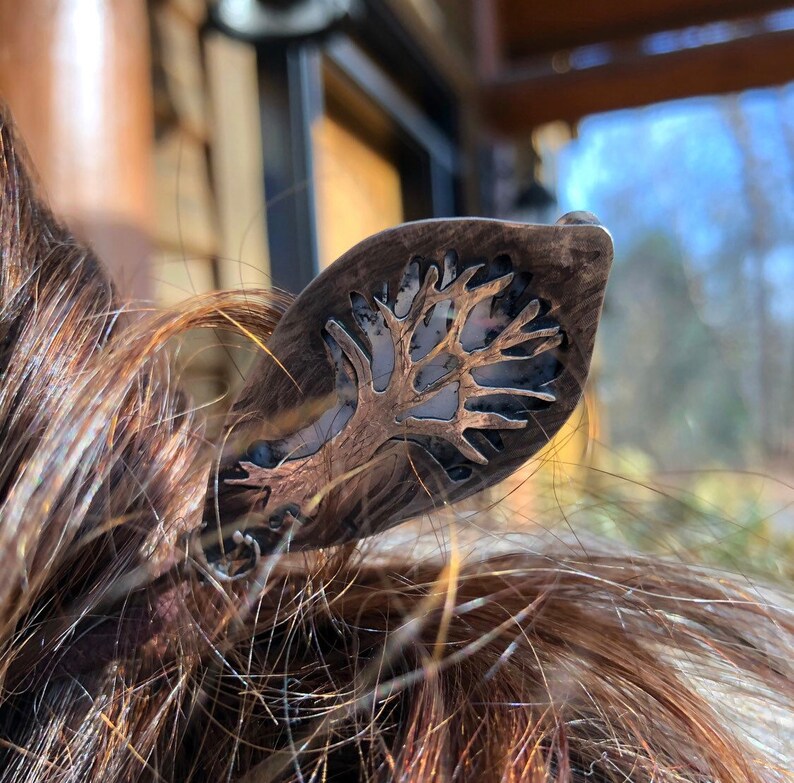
(427, 363)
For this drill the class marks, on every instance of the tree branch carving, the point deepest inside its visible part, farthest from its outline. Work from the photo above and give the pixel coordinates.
(403, 411)
(402, 394)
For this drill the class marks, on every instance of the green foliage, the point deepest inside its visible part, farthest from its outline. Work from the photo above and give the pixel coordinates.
(666, 385)
(719, 517)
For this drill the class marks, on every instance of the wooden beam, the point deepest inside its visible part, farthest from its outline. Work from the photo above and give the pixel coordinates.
(77, 76)
(531, 27)
(515, 107)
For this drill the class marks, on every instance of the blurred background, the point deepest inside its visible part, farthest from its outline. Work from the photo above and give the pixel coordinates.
(202, 145)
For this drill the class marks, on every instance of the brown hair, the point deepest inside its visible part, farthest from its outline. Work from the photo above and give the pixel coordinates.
(121, 661)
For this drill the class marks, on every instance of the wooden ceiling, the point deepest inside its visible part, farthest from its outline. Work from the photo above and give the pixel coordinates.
(541, 61)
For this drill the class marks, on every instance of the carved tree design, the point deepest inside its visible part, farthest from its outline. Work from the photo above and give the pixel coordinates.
(402, 395)
(427, 388)
(296, 485)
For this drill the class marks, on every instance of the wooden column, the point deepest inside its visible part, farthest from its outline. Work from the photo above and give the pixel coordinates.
(77, 76)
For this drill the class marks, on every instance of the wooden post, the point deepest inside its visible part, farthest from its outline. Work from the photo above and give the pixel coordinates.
(77, 76)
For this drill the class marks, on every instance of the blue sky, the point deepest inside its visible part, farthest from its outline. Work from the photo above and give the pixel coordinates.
(678, 167)
(714, 177)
